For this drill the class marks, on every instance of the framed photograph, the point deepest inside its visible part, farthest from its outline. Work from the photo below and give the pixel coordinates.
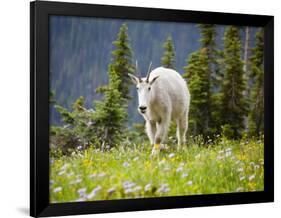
(142, 109)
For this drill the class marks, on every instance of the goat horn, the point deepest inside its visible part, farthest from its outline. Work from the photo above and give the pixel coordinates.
(148, 72)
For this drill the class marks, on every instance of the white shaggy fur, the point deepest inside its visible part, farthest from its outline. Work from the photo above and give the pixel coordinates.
(162, 99)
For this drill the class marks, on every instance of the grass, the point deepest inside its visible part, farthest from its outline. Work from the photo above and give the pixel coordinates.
(222, 166)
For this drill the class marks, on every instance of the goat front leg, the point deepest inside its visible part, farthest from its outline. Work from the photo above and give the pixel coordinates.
(161, 132)
(150, 130)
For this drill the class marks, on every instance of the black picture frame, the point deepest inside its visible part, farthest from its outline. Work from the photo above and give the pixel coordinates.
(39, 108)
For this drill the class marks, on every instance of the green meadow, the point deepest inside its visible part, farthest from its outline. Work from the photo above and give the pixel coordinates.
(221, 166)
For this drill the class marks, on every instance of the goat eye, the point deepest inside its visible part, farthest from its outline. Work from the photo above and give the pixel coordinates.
(149, 88)
(137, 88)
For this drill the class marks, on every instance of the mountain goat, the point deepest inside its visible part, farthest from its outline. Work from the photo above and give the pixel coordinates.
(163, 97)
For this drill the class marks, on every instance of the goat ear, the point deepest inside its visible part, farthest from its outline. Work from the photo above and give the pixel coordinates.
(134, 79)
(153, 80)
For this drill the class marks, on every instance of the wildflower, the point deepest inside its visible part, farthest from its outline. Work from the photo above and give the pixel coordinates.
(126, 164)
(161, 162)
(128, 184)
(82, 192)
(79, 147)
(61, 172)
(111, 190)
(171, 155)
(239, 189)
(184, 175)
(252, 177)
(164, 188)
(92, 175)
(197, 156)
(94, 192)
(137, 188)
(179, 169)
(240, 169)
(101, 175)
(70, 174)
(75, 181)
(64, 167)
(256, 167)
(58, 189)
(80, 199)
(147, 187)
(51, 182)
(189, 182)
(228, 153)
(182, 164)
(242, 178)
(220, 157)
(136, 158)
(128, 191)
(166, 169)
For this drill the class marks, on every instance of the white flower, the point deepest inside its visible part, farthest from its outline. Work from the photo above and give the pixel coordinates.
(251, 177)
(179, 169)
(101, 175)
(171, 155)
(181, 164)
(126, 164)
(128, 185)
(92, 175)
(128, 191)
(228, 153)
(161, 162)
(111, 190)
(137, 188)
(164, 188)
(136, 158)
(70, 174)
(75, 181)
(82, 192)
(239, 189)
(256, 166)
(64, 167)
(58, 189)
(189, 182)
(61, 172)
(147, 187)
(242, 178)
(197, 156)
(94, 192)
(184, 175)
(240, 169)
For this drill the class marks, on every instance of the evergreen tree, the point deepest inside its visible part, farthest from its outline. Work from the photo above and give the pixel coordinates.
(234, 103)
(110, 115)
(168, 59)
(256, 116)
(121, 62)
(197, 73)
(208, 42)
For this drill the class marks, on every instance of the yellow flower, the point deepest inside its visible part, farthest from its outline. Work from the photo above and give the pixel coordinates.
(252, 185)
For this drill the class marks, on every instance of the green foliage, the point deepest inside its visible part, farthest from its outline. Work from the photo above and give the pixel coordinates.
(168, 59)
(197, 73)
(78, 130)
(222, 166)
(121, 62)
(110, 115)
(234, 104)
(256, 115)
